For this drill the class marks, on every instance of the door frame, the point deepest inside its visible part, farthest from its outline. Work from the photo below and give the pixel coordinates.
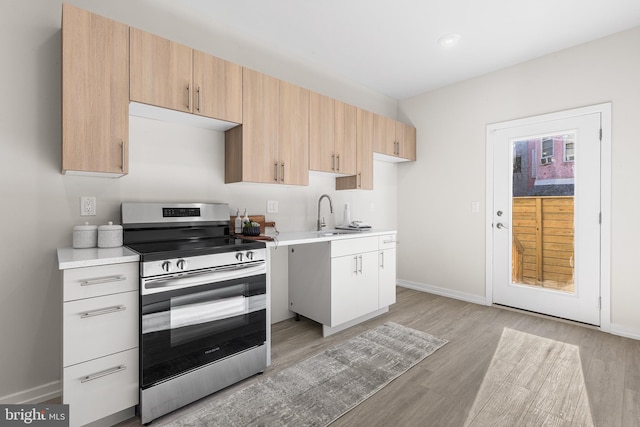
(605, 199)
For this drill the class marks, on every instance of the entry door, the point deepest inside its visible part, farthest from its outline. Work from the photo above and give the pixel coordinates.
(546, 216)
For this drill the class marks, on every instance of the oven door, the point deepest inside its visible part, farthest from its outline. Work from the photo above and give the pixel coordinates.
(193, 319)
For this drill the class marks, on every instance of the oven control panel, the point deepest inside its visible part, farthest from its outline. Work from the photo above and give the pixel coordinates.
(180, 265)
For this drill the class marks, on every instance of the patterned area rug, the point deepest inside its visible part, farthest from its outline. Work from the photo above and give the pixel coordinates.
(317, 391)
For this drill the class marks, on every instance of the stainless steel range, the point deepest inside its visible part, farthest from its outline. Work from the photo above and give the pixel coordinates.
(203, 302)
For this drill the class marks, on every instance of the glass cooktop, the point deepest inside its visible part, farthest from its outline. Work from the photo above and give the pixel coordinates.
(154, 251)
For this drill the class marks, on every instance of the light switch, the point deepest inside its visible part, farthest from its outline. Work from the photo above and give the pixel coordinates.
(475, 207)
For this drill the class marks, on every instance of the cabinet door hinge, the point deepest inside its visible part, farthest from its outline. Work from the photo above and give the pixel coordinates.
(600, 136)
(600, 218)
(599, 302)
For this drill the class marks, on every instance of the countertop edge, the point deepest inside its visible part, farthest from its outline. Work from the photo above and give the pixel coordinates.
(304, 237)
(69, 258)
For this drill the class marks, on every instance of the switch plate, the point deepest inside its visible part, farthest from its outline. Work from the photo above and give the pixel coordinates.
(475, 207)
(272, 206)
(87, 206)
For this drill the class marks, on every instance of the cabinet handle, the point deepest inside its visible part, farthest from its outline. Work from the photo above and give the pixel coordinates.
(282, 178)
(333, 162)
(122, 151)
(355, 269)
(388, 241)
(382, 260)
(103, 373)
(359, 178)
(275, 171)
(338, 157)
(360, 263)
(188, 96)
(198, 99)
(101, 280)
(101, 311)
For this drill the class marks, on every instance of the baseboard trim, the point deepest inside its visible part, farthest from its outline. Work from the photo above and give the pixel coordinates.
(35, 395)
(625, 331)
(463, 296)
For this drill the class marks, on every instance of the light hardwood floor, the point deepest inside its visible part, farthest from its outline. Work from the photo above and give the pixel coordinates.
(500, 368)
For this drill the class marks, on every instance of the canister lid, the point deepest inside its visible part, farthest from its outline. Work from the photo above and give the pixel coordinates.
(110, 227)
(85, 227)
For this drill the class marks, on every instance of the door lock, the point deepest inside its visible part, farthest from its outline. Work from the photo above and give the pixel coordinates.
(499, 213)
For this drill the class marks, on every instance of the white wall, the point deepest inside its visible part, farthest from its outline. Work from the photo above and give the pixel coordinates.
(39, 206)
(448, 250)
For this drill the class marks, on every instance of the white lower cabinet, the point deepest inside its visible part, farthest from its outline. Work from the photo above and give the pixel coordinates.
(387, 270)
(342, 281)
(354, 286)
(101, 387)
(100, 341)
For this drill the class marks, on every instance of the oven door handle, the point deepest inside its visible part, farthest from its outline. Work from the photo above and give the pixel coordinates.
(184, 280)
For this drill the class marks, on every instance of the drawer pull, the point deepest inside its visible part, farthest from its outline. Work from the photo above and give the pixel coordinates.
(100, 312)
(102, 280)
(103, 373)
(388, 241)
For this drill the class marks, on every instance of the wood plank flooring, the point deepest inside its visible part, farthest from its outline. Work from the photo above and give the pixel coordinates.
(500, 368)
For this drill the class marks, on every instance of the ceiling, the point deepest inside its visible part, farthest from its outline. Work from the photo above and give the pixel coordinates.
(392, 46)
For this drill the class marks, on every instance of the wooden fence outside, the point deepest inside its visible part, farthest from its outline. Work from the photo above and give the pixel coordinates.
(543, 241)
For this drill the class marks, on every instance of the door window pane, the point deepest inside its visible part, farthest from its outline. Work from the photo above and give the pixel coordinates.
(543, 212)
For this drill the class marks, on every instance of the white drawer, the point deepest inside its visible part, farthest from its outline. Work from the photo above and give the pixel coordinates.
(101, 387)
(95, 327)
(387, 241)
(100, 280)
(353, 246)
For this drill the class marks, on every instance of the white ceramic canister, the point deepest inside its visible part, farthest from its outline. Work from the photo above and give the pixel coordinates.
(85, 236)
(110, 235)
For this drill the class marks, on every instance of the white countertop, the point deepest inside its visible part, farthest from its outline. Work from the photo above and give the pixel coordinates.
(301, 237)
(76, 258)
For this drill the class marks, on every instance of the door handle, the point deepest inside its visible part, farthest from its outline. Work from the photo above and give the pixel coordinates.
(500, 226)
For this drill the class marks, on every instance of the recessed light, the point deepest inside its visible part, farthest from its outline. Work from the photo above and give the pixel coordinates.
(449, 40)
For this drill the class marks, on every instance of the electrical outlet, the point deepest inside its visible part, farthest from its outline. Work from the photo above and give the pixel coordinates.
(87, 206)
(272, 206)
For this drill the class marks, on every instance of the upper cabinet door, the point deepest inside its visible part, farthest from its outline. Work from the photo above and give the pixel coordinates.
(161, 72)
(217, 88)
(95, 93)
(293, 135)
(406, 136)
(345, 138)
(366, 121)
(384, 135)
(322, 155)
(260, 106)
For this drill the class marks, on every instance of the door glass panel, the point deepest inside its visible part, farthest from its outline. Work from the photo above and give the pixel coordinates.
(543, 188)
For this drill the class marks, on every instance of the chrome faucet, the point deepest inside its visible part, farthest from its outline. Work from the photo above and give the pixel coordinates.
(321, 223)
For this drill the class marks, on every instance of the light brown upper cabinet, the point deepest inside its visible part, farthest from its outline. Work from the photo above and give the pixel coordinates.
(332, 135)
(170, 75)
(406, 137)
(272, 145)
(322, 153)
(363, 180)
(345, 138)
(218, 88)
(293, 135)
(95, 94)
(394, 138)
(161, 72)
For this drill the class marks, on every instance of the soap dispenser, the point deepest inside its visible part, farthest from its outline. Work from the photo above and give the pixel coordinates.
(246, 217)
(238, 223)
